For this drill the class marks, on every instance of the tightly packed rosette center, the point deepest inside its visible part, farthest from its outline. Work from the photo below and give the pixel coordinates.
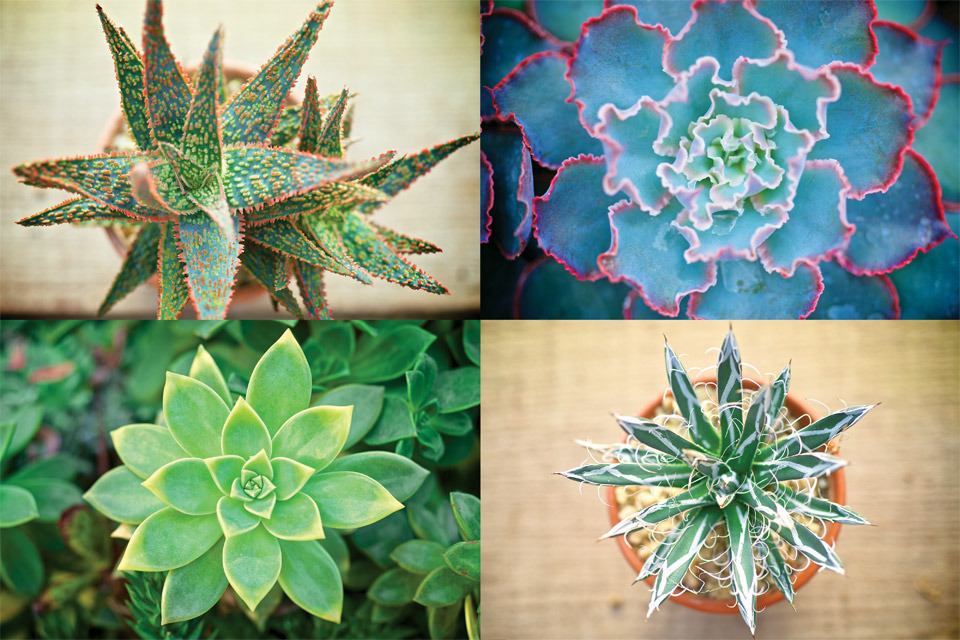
(729, 156)
(239, 495)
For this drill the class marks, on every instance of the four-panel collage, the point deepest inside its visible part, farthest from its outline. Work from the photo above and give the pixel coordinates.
(248, 327)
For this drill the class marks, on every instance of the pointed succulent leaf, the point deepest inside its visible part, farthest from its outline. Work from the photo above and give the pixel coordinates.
(466, 512)
(701, 431)
(754, 426)
(172, 281)
(656, 436)
(765, 504)
(233, 518)
(443, 587)
(458, 389)
(288, 125)
(201, 133)
(453, 424)
(280, 384)
(777, 568)
(326, 235)
(390, 353)
(251, 114)
(211, 199)
(17, 505)
(53, 496)
(211, 260)
(268, 267)
(348, 500)
(139, 264)
(654, 563)
(810, 545)
(251, 562)
(169, 539)
(167, 92)
(309, 576)
(697, 496)
(244, 433)
(262, 507)
(295, 519)
(311, 120)
(205, 370)
(193, 589)
(681, 554)
(742, 567)
(314, 436)
(224, 470)
(464, 558)
(805, 465)
(395, 423)
(729, 393)
(119, 495)
(419, 557)
(400, 174)
(396, 586)
(404, 244)
(186, 485)
(328, 143)
(328, 197)
(283, 237)
(367, 401)
(144, 448)
(129, 68)
(257, 465)
(797, 502)
(25, 574)
(820, 432)
(289, 476)
(310, 283)
(397, 474)
(77, 210)
(627, 474)
(195, 415)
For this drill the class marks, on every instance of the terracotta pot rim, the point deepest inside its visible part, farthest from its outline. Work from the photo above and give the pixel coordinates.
(837, 493)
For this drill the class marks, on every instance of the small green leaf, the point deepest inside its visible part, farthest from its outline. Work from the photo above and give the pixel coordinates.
(394, 587)
(453, 424)
(442, 621)
(443, 587)
(458, 389)
(119, 495)
(389, 354)
(419, 556)
(314, 436)
(144, 448)
(205, 370)
(421, 380)
(439, 526)
(52, 496)
(280, 385)
(348, 500)
(17, 506)
(224, 470)
(233, 518)
(466, 511)
(335, 545)
(20, 564)
(186, 485)
(244, 433)
(262, 507)
(195, 415)
(431, 441)
(398, 475)
(295, 519)
(367, 401)
(28, 420)
(251, 561)
(193, 589)
(471, 340)
(258, 464)
(6, 435)
(394, 424)
(289, 476)
(310, 578)
(464, 559)
(169, 539)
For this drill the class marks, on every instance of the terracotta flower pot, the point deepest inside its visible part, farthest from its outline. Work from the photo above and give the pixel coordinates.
(836, 493)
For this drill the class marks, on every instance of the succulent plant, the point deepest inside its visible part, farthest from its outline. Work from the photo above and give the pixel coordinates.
(437, 572)
(243, 492)
(734, 457)
(211, 186)
(744, 159)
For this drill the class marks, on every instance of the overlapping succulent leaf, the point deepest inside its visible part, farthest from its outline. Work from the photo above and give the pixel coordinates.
(736, 168)
(239, 491)
(733, 466)
(213, 167)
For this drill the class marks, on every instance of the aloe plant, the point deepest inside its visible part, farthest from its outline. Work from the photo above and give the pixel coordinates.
(211, 186)
(732, 457)
(243, 491)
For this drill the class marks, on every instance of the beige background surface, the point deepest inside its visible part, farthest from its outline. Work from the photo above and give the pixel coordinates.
(546, 383)
(414, 63)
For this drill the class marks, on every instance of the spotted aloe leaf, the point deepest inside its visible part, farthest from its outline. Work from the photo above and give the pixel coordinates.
(139, 264)
(240, 495)
(741, 481)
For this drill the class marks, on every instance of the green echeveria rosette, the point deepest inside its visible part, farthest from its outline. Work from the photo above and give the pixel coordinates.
(240, 495)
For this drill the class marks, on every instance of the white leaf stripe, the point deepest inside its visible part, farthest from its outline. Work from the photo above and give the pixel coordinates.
(686, 397)
(729, 392)
(681, 554)
(626, 474)
(807, 543)
(817, 507)
(697, 496)
(753, 426)
(821, 432)
(737, 518)
(766, 506)
(659, 555)
(655, 436)
(777, 568)
(807, 465)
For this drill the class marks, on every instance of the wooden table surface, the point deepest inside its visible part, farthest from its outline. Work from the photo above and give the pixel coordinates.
(414, 63)
(547, 383)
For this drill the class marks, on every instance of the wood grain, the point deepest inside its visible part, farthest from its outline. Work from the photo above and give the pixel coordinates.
(414, 63)
(546, 383)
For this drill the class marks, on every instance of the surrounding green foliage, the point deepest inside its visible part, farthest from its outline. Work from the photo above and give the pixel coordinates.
(734, 455)
(118, 369)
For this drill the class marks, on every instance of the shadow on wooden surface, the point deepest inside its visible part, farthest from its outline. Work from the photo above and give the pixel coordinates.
(547, 383)
(414, 63)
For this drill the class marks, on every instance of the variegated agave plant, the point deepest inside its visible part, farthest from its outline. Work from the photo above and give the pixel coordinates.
(734, 456)
(214, 181)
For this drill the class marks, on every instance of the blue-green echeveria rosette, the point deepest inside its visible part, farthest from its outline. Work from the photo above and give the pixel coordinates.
(240, 492)
(719, 155)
